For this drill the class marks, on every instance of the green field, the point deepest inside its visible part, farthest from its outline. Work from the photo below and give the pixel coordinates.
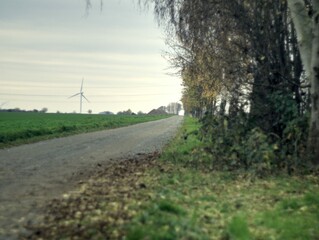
(24, 127)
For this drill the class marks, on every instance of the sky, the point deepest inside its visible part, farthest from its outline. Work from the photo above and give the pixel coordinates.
(48, 46)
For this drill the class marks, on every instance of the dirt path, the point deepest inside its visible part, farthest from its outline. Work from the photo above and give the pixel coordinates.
(30, 175)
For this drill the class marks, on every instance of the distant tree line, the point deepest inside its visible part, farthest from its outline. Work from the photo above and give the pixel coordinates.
(43, 110)
(171, 108)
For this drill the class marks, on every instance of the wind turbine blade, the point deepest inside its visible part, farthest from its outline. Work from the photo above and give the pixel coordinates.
(85, 98)
(4, 103)
(74, 95)
(81, 85)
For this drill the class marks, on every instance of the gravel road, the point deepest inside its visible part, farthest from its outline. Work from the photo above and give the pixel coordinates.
(31, 175)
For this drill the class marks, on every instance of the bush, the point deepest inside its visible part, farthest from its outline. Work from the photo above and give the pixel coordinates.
(234, 144)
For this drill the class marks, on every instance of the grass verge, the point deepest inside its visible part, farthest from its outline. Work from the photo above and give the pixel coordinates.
(169, 198)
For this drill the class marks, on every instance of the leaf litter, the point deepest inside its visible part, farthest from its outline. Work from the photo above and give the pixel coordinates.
(101, 206)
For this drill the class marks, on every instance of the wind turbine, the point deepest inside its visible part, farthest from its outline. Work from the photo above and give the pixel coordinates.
(81, 93)
(2, 104)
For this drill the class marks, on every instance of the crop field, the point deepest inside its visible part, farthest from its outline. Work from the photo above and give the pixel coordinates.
(24, 127)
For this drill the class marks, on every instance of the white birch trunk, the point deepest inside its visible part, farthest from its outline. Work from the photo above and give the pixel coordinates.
(307, 28)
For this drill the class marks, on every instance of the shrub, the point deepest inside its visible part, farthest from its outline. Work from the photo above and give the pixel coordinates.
(235, 144)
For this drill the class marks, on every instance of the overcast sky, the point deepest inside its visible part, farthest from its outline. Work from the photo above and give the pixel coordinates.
(48, 46)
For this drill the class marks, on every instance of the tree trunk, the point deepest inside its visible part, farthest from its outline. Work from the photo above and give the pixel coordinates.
(307, 28)
(314, 120)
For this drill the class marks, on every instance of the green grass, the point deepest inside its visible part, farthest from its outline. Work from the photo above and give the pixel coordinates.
(20, 128)
(238, 228)
(223, 205)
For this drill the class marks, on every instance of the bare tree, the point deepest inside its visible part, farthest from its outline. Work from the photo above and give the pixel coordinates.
(305, 15)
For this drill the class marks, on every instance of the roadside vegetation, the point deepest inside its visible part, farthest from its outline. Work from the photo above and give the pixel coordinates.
(182, 195)
(24, 127)
(248, 167)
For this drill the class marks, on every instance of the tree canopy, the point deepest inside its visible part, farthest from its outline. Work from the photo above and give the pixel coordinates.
(257, 59)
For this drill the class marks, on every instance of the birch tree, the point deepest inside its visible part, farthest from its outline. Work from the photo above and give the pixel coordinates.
(305, 16)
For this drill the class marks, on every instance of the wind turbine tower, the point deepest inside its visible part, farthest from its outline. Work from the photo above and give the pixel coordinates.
(81, 93)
